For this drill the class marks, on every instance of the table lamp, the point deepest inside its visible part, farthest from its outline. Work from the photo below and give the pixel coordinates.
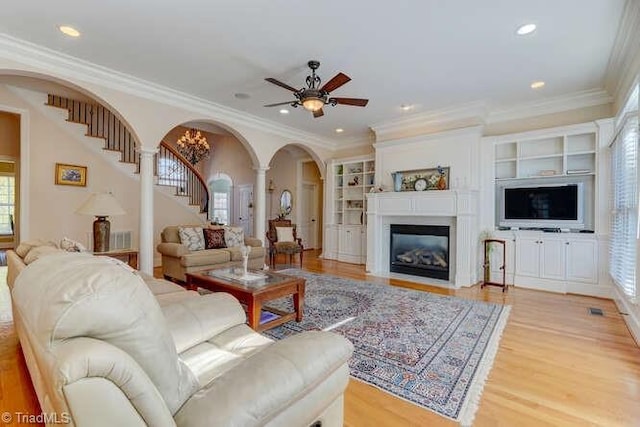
(101, 205)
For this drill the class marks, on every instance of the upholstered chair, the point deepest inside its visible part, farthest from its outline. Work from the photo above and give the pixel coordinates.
(283, 239)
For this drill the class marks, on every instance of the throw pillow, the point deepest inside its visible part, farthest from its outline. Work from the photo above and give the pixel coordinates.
(214, 238)
(233, 236)
(71, 245)
(284, 234)
(192, 238)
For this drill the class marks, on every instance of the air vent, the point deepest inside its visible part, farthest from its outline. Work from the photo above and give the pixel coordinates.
(117, 240)
(596, 311)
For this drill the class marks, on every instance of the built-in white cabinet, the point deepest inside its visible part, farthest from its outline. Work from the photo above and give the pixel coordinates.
(549, 261)
(555, 153)
(348, 182)
(540, 257)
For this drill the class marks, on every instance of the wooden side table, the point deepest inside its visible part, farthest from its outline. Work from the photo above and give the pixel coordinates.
(487, 264)
(128, 255)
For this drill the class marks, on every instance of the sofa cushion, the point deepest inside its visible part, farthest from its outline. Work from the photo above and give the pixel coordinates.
(214, 238)
(40, 251)
(233, 236)
(23, 248)
(205, 257)
(236, 254)
(192, 238)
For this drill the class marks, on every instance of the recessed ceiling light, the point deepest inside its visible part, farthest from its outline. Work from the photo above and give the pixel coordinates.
(525, 29)
(537, 85)
(284, 111)
(70, 31)
(406, 107)
(242, 95)
(339, 130)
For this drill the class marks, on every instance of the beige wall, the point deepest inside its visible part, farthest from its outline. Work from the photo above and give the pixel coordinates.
(581, 115)
(228, 156)
(282, 170)
(361, 150)
(9, 134)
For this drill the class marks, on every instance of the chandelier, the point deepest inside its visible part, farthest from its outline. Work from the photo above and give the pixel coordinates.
(193, 146)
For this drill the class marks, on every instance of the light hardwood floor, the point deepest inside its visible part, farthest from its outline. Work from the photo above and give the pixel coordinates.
(556, 365)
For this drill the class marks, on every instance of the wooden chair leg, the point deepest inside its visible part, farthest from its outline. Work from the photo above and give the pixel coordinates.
(301, 252)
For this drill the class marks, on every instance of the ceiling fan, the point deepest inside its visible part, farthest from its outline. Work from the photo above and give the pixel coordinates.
(313, 97)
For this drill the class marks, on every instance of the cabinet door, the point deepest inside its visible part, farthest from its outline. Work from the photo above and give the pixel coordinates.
(528, 256)
(350, 241)
(552, 259)
(582, 260)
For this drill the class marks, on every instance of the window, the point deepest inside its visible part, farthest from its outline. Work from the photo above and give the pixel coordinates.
(220, 189)
(170, 172)
(7, 203)
(624, 217)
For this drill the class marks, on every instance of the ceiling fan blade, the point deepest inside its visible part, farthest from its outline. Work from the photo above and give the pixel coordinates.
(357, 102)
(318, 113)
(335, 82)
(280, 103)
(279, 83)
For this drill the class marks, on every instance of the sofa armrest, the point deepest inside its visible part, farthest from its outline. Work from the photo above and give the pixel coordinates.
(252, 241)
(272, 381)
(98, 378)
(193, 321)
(175, 250)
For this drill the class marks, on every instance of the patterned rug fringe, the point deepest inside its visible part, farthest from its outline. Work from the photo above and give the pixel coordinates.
(472, 403)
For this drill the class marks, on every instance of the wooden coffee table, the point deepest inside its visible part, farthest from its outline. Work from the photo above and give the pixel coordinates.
(254, 293)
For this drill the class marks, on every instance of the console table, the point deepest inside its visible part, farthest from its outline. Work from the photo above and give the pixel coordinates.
(130, 255)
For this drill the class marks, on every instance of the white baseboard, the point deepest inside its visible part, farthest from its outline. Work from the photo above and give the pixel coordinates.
(630, 313)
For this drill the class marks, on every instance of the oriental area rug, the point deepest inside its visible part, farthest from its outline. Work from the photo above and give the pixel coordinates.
(434, 351)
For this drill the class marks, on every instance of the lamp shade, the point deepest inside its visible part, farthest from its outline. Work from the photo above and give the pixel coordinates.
(101, 204)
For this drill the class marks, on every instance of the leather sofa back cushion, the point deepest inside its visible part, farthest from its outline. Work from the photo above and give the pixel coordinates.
(23, 248)
(214, 238)
(68, 295)
(192, 238)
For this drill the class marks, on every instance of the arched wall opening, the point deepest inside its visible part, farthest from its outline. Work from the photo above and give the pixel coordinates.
(46, 209)
(297, 169)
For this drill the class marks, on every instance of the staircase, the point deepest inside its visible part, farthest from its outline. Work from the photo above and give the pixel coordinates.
(171, 168)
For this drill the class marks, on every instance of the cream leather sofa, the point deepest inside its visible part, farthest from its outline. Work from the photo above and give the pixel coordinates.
(103, 351)
(177, 259)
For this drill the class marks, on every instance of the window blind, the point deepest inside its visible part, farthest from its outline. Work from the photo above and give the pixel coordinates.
(624, 217)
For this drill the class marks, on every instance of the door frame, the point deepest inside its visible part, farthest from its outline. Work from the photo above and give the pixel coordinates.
(22, 205)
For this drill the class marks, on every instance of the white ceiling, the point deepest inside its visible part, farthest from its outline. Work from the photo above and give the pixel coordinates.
(429, 53)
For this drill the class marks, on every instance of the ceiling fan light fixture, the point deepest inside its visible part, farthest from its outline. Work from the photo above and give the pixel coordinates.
(312, 104)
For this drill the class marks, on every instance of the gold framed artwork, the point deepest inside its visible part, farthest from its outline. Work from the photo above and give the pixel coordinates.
(71, 175)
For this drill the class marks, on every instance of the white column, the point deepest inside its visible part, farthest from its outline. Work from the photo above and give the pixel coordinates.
(259, 202)
(145, 257)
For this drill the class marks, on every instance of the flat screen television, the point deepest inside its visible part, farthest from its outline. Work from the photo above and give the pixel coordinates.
(558, 205)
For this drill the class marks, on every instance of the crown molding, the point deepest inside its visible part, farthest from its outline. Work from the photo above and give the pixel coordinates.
(624, 62)
(69, 67)
(464, 115)
(572, 101)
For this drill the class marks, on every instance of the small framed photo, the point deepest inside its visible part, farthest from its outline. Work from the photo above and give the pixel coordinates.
(71, 175)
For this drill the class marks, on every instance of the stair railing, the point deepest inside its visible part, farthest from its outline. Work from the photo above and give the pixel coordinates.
(102, 123)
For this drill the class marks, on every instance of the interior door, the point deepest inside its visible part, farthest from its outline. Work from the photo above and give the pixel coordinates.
(244, 208)
(309, 225)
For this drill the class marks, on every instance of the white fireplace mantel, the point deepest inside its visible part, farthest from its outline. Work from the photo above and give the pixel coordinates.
(457, 208)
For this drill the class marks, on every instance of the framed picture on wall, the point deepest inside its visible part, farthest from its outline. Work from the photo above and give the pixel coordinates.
(71, 175)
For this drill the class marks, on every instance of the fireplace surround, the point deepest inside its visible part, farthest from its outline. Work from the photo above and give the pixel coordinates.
(457, 209)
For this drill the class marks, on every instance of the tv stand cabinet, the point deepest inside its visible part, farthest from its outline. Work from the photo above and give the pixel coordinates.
(555, 262)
